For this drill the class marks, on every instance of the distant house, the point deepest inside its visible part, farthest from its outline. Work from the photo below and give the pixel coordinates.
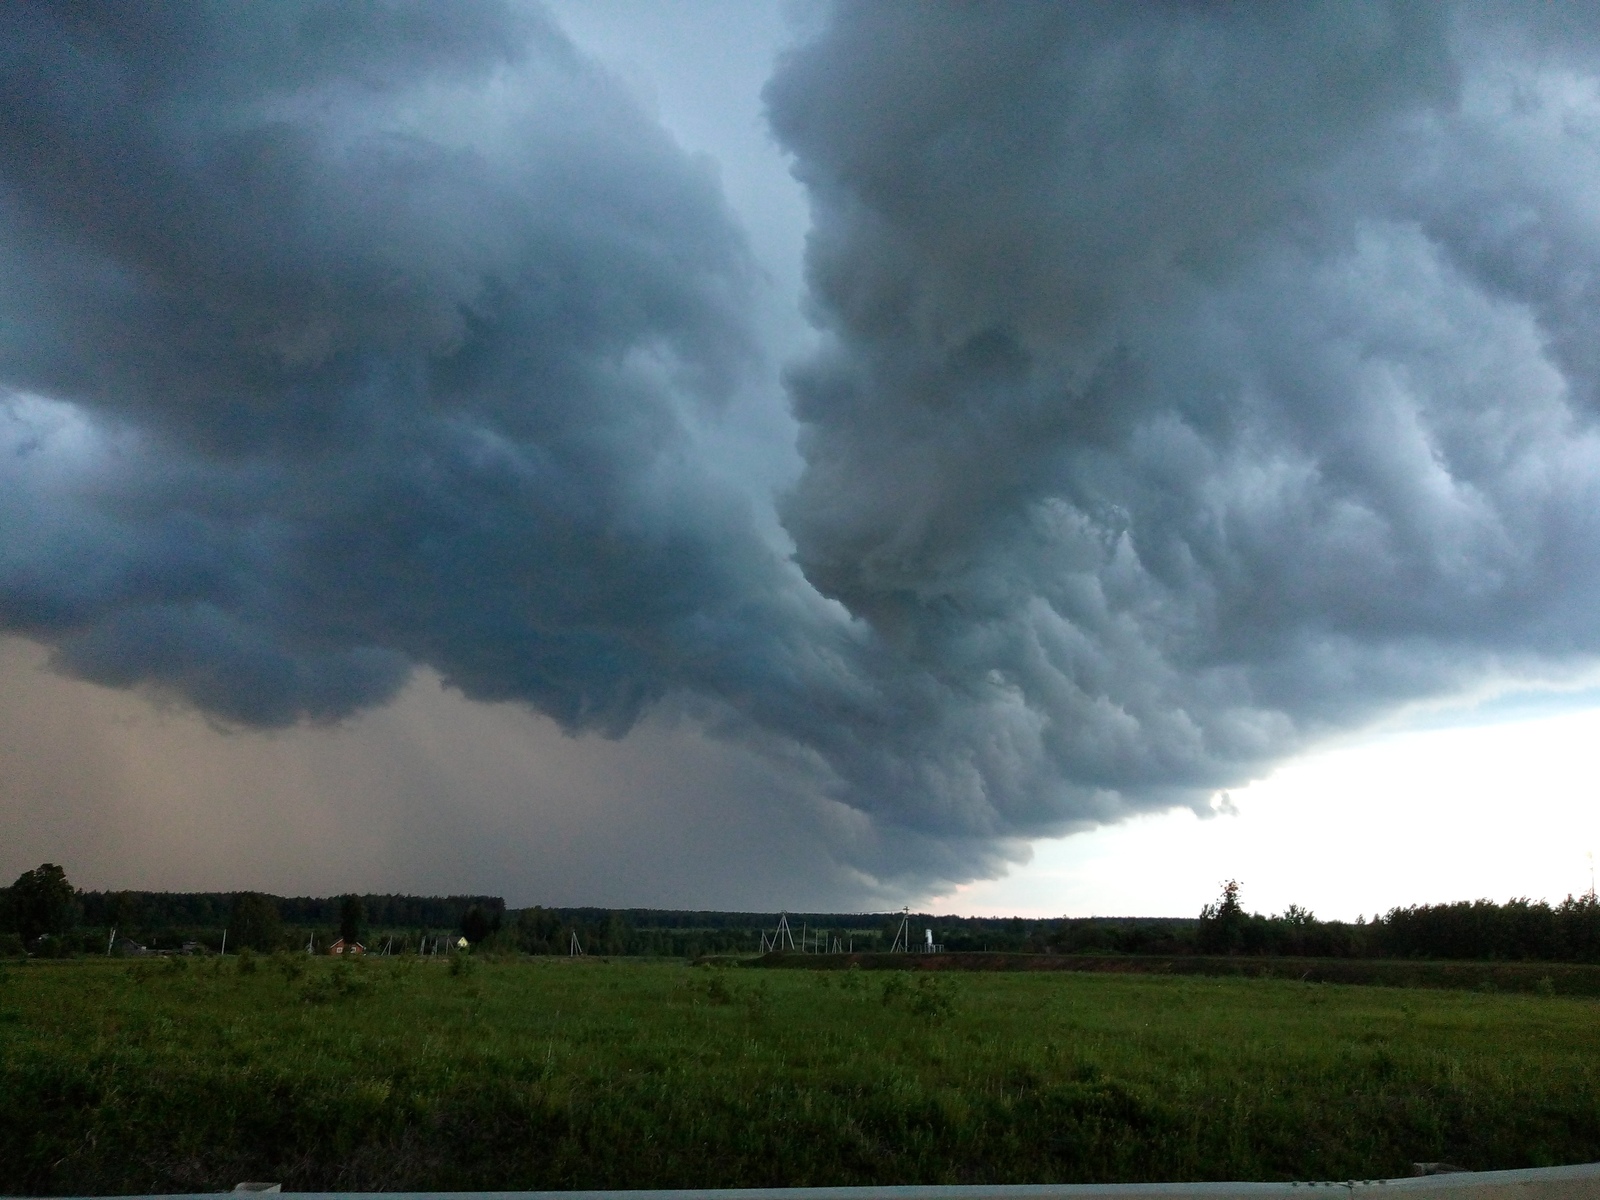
(343, 947)
(129, 947)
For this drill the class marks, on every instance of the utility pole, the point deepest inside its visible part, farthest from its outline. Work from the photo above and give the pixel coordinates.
(902, 936)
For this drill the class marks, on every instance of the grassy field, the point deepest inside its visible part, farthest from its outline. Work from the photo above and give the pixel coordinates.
(1543, 978)
(192, 1076)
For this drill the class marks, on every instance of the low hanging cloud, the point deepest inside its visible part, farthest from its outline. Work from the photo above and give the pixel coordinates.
(1195, 383)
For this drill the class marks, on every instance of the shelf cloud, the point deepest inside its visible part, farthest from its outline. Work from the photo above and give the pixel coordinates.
(1193, 383)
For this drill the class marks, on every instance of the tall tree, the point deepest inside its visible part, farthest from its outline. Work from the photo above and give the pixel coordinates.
(352, 916)
(1222, 923)
(477, 924)
(254, 922)
(43, 902)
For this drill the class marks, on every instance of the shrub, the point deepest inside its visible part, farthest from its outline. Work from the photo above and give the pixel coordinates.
(933, 998)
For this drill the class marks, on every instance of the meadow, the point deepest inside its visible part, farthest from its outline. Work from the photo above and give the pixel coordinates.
(192, 1075)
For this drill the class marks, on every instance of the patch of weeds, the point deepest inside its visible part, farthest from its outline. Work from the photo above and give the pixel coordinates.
(462, 965)
(934, 998)
(758, 1000)
(1383, 1065)
(177, 965)
(353, 982)
(895, 989)
(291, 966)
(851, 979)
(338, 983)
(247, 962)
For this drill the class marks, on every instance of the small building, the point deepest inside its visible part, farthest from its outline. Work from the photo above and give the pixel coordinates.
(344, 947)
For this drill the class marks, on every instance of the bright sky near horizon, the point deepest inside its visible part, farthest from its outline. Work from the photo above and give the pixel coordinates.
(1087, 498)
(1480, 811)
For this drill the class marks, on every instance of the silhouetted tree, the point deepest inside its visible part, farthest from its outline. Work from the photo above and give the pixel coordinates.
(1222, 923)
(254, 923)
(122, 910)
(477, 924)
(352, 915)
(43, 902)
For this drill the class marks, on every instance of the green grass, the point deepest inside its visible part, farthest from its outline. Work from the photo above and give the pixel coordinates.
(556, 1074)
(1567, 979)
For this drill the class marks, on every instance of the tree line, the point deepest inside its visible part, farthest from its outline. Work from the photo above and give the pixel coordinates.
(1518, 930)
(43, 914)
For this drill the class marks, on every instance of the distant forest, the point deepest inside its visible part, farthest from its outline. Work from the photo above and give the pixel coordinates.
(42, 914)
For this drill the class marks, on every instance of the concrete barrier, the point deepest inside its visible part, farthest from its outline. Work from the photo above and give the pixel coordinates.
(1581, 1182)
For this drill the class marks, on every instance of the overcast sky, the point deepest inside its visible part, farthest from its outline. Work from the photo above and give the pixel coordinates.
(1013, 458)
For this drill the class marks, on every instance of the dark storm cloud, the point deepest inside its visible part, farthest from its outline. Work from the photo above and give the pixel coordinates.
(390, 389)
(1198, 380)
(1203, 378)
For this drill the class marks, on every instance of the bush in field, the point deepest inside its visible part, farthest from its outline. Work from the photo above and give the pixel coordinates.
(339, 982)
(933, 998)
(895, 989)
(758, 1000)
